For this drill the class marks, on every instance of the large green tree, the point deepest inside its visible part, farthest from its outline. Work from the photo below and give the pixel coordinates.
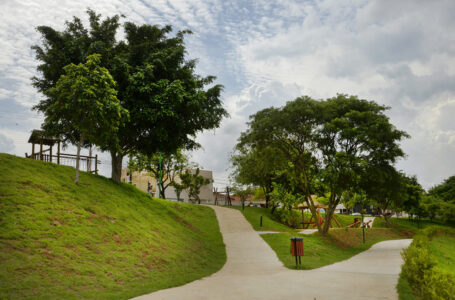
(167, 101)
(85, 106)
(327, 144)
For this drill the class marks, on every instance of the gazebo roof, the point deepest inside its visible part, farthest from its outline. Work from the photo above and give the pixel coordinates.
(38, 137)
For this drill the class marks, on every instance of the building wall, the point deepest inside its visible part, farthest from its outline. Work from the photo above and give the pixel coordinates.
(141, 180)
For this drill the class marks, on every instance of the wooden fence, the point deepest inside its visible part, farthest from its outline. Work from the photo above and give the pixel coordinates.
(86, 163)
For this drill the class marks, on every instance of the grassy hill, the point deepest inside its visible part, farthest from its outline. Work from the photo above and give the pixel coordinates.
(97, 239)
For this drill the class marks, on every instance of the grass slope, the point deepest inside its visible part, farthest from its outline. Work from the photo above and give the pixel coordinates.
(442, 248)
(97, 239)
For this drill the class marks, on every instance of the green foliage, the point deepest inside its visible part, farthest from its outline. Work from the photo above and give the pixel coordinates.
(98, 239)
(167, 166)
(287, 217)
(442, 200)
(327, 146)
(283, 197)
(404, 289)
(167, 101)
(193, 182)
(256, 167)
(445, 191)
(242, 192)
(424, 270)
(83, 106)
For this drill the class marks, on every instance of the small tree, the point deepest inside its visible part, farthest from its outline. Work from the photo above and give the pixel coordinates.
(178, 188)
(193, 183)
(166, 167)
(85, 106)
(243, 193)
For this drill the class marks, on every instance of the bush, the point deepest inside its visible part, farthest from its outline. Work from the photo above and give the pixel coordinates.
(421, 271)
(290, 218)
(439, 285)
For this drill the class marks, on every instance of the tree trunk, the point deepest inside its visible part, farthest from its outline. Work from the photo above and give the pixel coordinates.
(116, 166)
(162, 196)
(328, 219)
(273, 209)
(310, 204)
(78, 157)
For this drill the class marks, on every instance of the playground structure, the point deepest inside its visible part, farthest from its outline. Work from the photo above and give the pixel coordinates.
(320, 219)
(318, 206)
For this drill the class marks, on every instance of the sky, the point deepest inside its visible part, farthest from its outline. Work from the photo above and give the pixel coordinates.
(265, 53)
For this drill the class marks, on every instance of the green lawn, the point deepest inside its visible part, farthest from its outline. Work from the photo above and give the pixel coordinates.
(405, 223)
(97, 239)
(339, 245)
(253, 215)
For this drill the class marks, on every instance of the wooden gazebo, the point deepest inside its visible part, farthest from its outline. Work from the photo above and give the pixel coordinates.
(38, 137)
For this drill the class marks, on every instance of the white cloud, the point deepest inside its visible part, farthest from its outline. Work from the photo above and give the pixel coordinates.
(399, 53)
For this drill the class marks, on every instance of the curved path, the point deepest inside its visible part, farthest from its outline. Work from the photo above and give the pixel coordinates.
(253, 271)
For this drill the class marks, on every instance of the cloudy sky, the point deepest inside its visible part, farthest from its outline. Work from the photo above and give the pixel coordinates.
(398, 53)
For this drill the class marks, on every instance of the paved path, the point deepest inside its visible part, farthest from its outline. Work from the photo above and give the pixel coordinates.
(253, 271)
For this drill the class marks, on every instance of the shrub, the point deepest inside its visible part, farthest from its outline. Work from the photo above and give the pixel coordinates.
(290, 218)
(421, 271)
(439, 285)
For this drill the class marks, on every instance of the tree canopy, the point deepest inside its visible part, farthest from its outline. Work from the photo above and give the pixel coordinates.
(167, 101)
(85, 106)
(327, 144)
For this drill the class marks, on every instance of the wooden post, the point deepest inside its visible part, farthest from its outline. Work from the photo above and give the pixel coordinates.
(89, 161)
(50, 154)
(216, 195)
(96, 164)
(58, 152)
(33, 150)
(41, 151)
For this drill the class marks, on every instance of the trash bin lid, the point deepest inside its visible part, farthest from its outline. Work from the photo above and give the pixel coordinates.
(298, 239)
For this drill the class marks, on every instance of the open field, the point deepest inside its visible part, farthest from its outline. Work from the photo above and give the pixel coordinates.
(97, 239)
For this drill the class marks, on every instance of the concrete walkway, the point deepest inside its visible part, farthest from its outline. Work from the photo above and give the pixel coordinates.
(253, 271)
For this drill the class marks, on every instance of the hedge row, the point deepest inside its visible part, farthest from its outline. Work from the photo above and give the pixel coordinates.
(420, 268)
